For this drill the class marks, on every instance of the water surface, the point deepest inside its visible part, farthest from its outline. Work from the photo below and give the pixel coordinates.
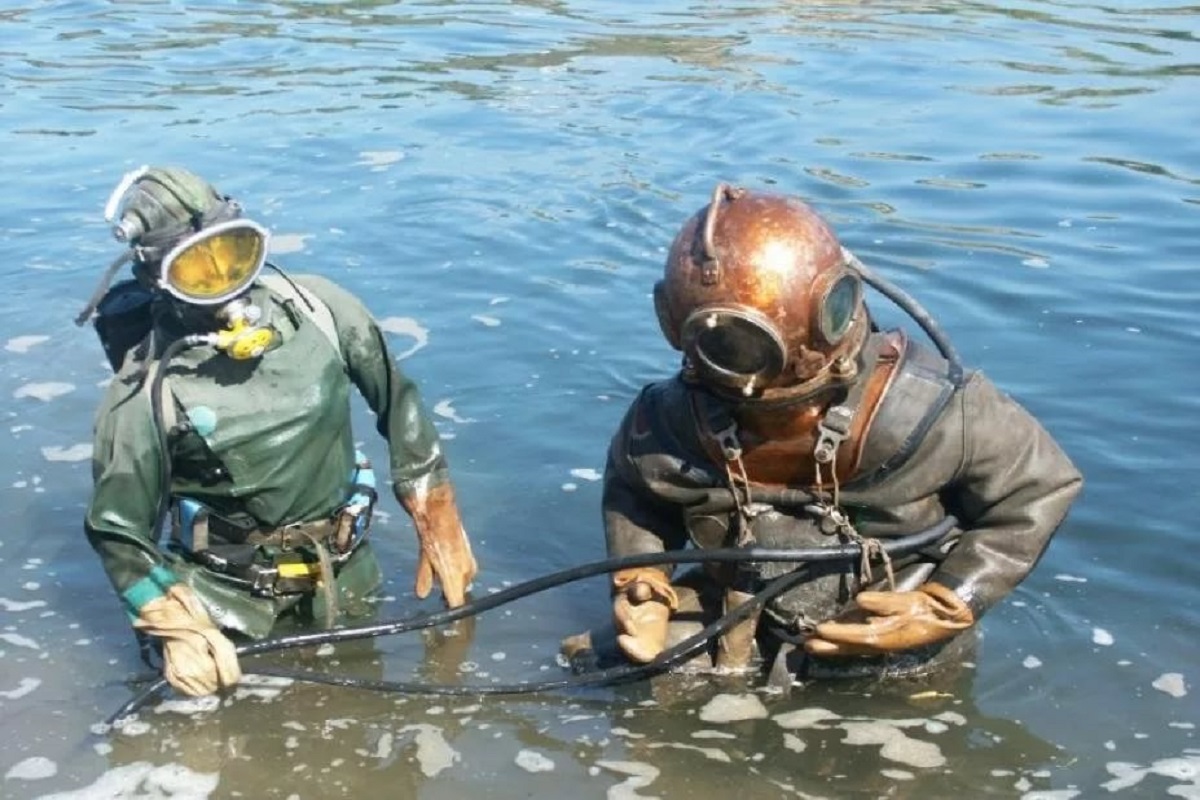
(500, 181)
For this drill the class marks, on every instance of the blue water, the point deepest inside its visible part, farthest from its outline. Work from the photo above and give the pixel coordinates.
(500, 181)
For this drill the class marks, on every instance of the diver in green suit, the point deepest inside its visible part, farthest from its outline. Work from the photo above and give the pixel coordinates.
(227, 487)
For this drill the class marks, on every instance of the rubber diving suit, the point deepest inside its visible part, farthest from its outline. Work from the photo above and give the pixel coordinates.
(795, 423)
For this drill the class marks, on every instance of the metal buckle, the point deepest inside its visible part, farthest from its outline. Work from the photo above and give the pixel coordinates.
(833, 429)
(727, 439)
(262, 580)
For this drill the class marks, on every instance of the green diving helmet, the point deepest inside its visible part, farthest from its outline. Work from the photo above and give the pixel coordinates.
(189, 244)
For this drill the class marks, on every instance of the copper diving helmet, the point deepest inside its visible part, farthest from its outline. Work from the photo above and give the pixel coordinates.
(759, 296)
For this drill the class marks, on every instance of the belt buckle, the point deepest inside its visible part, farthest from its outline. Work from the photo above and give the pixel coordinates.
(263, 580)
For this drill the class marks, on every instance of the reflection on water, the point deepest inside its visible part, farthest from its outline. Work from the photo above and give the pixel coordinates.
(500, 181)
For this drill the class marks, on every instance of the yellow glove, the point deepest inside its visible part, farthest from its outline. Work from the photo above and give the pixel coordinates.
(888, 622)
(642, 606)
(197, 658)
(445, 549)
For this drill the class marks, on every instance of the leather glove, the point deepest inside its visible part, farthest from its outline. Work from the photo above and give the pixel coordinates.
(197, 658)
(445, 549)
(642, 606)
(888, 622)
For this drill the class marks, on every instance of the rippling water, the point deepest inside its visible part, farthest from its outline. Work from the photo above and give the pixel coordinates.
(500, 181)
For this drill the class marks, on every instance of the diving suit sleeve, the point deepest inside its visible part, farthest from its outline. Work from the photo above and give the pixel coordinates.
(120, 517)
(417, 460)
(420, 476)
(636, 520)
(1012, 492)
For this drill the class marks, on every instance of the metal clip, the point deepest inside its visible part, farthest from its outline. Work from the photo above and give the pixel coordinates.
(263, 582)
(830, 519)
(833, 430)
(731, 446)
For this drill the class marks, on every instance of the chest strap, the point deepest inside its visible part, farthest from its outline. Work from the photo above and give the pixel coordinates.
(718, 428)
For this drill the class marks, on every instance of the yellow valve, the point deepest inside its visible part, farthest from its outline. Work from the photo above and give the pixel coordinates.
(243, 342)
(298, 569)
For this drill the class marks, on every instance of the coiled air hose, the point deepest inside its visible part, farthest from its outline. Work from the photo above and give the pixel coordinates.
(894, 547)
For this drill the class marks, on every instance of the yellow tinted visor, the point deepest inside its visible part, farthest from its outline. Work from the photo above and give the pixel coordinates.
(217, 263)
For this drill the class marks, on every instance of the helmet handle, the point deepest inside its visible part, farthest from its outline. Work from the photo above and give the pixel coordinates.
(710, 262)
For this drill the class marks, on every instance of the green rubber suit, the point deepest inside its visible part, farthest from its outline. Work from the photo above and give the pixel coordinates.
(267, 440)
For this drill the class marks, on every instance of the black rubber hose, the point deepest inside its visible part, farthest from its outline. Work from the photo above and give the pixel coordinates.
(900, 545)
(915, 310)
(893, 547)
(156, 410)
(623, 673)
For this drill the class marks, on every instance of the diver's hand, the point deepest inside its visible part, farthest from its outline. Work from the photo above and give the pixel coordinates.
(445, 549)
(889, 622)
(197, 658)
(642, 604)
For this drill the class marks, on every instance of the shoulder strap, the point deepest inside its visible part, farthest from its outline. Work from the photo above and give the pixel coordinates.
(307, 303)
(920, 390)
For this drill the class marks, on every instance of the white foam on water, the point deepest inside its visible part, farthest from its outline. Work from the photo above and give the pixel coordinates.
(288, 242)
(142, 779)
(1051, 794)
(406, 326)
(1031, 662)
(895, 744)
(383, 747)
(76, 452)
(379, 160)
(897, 774)
(1171, 683)
(951, 717)
(569, 487)
(486, 320)
(18, 605)
(263, 687)
(1184, 768)
(446, 410)
(711, 753)
(17, 640)
(23, 344)
(794, 743)
(1101, 637)
(733, 708)
(587, 474)
(1069, 578)
(44, 391)
(129, 726)
(35, 768)
(708, 734)
(24, 687)
(805, 718)
(533, 761)
(640, 775)
(434, 753)
(189, 706)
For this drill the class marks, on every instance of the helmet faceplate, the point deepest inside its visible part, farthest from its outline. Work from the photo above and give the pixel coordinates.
(759, 297)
